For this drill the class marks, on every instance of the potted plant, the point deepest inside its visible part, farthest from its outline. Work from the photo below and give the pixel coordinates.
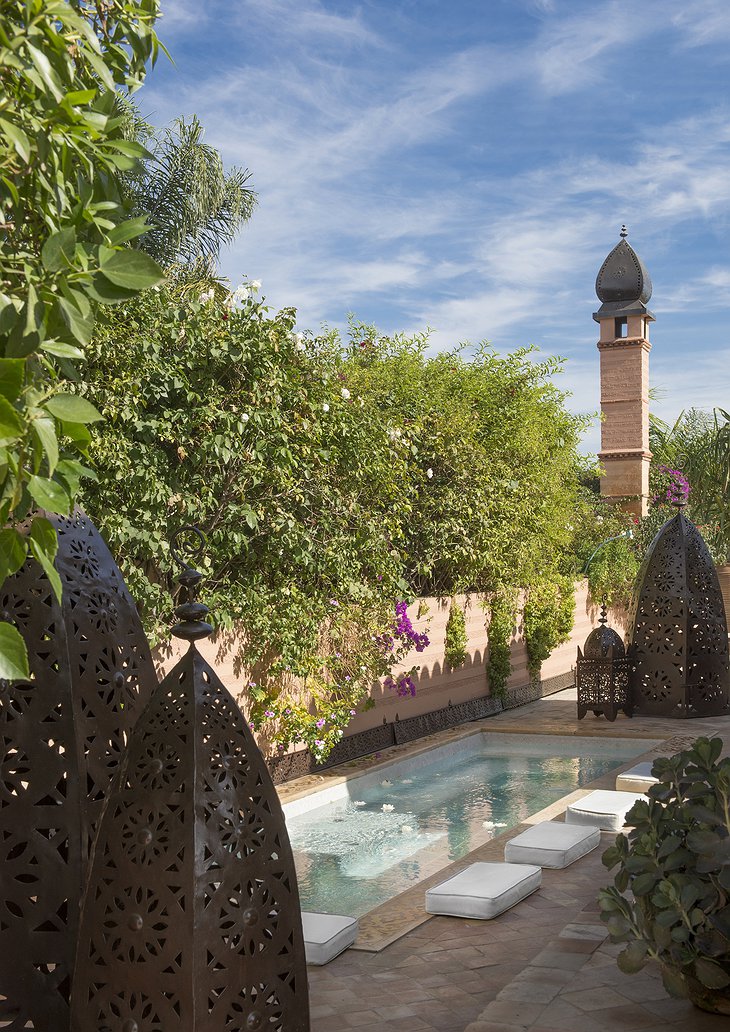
(675, 867)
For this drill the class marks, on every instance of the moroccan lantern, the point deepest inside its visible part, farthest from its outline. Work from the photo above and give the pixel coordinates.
(63, 735)
(679, 644)
(191, 918)
(602, 673)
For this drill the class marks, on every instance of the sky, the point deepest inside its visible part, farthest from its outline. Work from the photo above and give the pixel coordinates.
(466, 166)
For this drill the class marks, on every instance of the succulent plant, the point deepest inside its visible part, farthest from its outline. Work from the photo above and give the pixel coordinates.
(670, 900)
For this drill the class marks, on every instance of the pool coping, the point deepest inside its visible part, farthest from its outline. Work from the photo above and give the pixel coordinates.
(395, 917)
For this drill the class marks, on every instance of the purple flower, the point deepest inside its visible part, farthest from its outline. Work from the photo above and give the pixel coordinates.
(334, 602)
(318, 742)
(320, 722)
(268, 713)
(353, 713)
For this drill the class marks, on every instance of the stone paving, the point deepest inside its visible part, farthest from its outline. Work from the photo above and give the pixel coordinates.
(544, 966)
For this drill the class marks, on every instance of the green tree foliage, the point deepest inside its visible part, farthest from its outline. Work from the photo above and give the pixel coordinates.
(698, 444)
(193, 205)
(331, 478)
(63, 237)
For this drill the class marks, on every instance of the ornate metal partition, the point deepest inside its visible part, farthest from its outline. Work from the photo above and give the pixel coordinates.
(63, 734)
(191, 918)
(679, 644)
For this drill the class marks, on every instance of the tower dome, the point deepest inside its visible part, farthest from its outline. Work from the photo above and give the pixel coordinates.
(623, 283)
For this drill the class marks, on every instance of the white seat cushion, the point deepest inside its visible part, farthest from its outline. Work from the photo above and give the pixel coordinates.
(602, 809)
(637, 779)
(483, 890)
(327, 935)
(551, 844)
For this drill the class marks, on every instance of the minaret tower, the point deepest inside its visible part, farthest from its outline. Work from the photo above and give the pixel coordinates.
(624, 287)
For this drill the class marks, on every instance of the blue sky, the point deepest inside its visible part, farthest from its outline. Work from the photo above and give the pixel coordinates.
(466, 166)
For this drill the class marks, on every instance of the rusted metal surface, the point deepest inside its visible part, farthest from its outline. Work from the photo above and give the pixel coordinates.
(63, 734)
(679, 645)
(191, 919)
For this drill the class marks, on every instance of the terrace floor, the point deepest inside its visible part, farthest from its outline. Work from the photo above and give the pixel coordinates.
(544, 966)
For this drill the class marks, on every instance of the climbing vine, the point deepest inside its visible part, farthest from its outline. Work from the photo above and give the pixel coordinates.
(455, 640)
(502, 608)
(547, 618)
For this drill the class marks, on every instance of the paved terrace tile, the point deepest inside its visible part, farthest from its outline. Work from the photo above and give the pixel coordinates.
(544, 966)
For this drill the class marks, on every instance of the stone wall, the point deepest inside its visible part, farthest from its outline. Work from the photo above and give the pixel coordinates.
(444, 697)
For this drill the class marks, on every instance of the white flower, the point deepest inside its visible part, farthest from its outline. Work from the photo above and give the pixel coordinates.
(255, 286)
(359, 802)
(245, 417)
(325, 407)
(387, 808)
(345, 394)
(362, 403)
(206, 296)
(429, 473)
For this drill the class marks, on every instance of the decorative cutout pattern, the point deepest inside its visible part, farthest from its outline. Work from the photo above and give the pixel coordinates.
(679, 646)
(63, 734)
(191, 918)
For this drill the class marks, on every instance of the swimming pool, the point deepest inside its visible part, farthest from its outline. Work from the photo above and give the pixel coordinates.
(364, 841)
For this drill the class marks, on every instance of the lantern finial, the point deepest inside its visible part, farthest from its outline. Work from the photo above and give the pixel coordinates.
(191, 613)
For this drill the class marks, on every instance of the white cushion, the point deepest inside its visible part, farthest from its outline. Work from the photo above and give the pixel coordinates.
(327, 935)
(637, 779)
(602, 809)
(551, 844)
(483, 890)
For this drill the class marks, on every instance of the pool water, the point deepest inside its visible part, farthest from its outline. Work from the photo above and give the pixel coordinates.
(394, 827)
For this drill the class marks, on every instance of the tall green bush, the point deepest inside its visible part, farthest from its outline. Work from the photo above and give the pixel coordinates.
(332, 478)
(547, 618)
(64, 237)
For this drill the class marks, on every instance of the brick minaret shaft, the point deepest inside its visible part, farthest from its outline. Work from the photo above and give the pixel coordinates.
(624, 287)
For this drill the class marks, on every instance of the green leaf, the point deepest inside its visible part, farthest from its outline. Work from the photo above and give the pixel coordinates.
(11, 425)
(702, 841)
(58, 251)
(45, 431)
(711, 974)
(43, 65)
(49, 494)
(44, 534)
(674, 982)
(17, 137)
(12, 373)
(13, 550)
(107, 293)
(129, 230)
(44, 545)
(80, 325)
(13, 655)
(72, 408)
(77, 98)
(61, 350)
(133, 270)
(77, 433)
(72, 472)
(633, 958)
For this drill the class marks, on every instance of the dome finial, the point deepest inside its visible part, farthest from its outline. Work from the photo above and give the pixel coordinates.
(624, 232)
(604, 613)
(192, 614)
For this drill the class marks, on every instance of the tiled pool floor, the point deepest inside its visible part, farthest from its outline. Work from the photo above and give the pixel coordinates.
(543, 966)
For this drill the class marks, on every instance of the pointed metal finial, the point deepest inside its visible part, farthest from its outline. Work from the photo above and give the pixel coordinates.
(603, 618)
(624, 232)
(192, 614)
